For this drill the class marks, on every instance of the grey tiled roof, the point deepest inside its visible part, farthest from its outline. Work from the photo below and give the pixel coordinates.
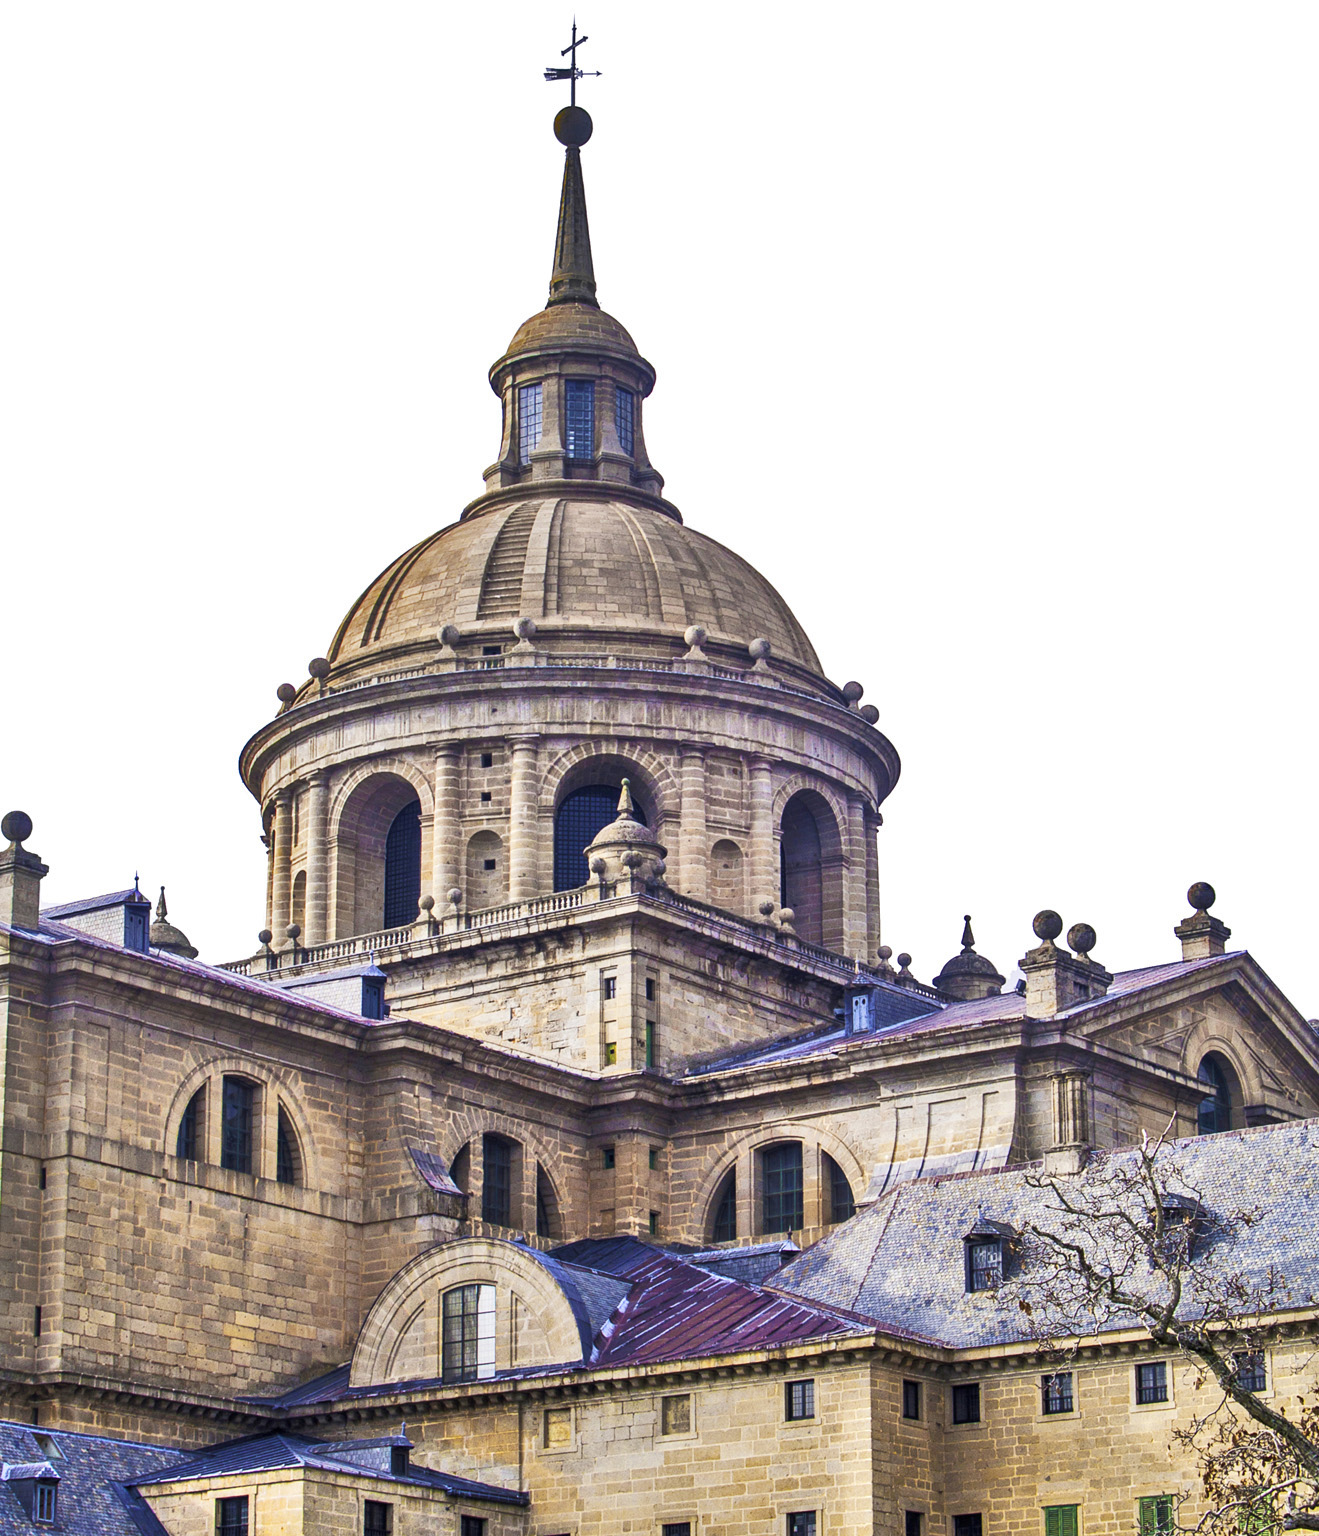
(89, 1468)
(900, 1263)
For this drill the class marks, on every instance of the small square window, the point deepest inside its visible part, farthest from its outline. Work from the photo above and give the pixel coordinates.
(678, 1528)
(231, 1516)
(802, 1523)
(1156, 1515)
(654, 1223)
(487, 863)
(558, 1429)
(488, 758)
(1056, 1392)
(676, 1414)
(799, 1400)
(966, 1403)
(911, 1399)
(968, 1525)
(654, 1158)
(914, 1523)
(377, 1518)
(650, 989)
(485, 797)
(611, 1053)
(607, 1153)
(1060, 1520)
(609, 987)
(1152, 1382)
(1249, 1369)
(472, 1525)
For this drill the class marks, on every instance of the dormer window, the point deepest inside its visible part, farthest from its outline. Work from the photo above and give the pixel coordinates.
(468, 1346)
(47, 1495)
(529, 421)
(579, 418)
(986, 1245)
(625, 419)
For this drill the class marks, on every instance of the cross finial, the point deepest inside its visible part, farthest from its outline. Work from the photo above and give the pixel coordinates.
(571, 73)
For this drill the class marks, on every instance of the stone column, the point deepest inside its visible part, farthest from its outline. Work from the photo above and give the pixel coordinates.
(764, 869)
(748, 1196)
(693, 847)
(318, 858)
(446, 854)
(873, 931)
(812, 1191)
(854, 889)
(522, 820)
(281, 908)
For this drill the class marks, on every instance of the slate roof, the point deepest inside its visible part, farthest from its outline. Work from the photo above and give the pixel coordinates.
(900, 1263)
(96, 904)
(262, 1453)
(91, 1471)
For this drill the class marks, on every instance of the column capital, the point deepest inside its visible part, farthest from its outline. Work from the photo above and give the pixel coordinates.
(451, 749)
(526, 743)
(691, 749)
(760, 764)
(319, 776)
(283, 795)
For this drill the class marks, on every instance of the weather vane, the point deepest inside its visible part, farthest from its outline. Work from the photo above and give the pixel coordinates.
(571, 74)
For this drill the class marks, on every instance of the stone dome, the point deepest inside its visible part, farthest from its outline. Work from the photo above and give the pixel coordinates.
(569, 325)
(618, 569)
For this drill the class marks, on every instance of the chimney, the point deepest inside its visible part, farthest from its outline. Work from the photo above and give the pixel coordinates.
(1056, 980)
(20, 874)
(1202, 936)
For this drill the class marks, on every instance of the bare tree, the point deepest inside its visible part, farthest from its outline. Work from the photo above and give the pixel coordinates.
(1131, 1242)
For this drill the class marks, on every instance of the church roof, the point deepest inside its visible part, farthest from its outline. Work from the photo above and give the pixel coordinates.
(92, 1472)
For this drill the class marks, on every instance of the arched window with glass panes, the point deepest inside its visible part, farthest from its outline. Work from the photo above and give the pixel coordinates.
(581, 815)
(403, 867)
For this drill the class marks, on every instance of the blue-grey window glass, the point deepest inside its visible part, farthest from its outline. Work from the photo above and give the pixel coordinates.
(725, 1214)
(238, 1099)
(802, 1523)
(1057, 1392)
(497, 1182)
(286, 1156)
(377, 1518)
(1249, 1370)
(529, 420)
(967, 1525)
(799, 1400)
(461, 1333)
(984, 1265)
(579, 417)
(188, 1145)
(966, 1403)
(44, 1510)
(781, 1172)
(403, 867)
(584, 813)
(911, 1399)
(1215, 1112)
(842, 1205)
(231, 1516)
(1152, 1382)
(625, 419)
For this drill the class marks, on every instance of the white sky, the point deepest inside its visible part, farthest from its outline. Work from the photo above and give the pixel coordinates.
(987, 332)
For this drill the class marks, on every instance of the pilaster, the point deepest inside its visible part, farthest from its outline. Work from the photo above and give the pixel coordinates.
(693, 839)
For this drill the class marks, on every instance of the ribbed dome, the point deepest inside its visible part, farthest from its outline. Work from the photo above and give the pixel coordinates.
(569, 324)
(573, 564)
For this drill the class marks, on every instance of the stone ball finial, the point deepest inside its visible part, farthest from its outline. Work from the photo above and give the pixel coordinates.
(904, 960)
(319, 668)
(1047, 926)
(450, 634)
(869, 714)
(573, 127)
(294, 931)
(886, 952)
(695, 634)
(265, 936)
(17, 826)
(766, 909)
(286, 693)
(1082, 938)
(455, 897)
(598, 865)
(760, 648)
(524, 629)
(1202, 896)
(787, 916)
(427, 903)
(852, 692)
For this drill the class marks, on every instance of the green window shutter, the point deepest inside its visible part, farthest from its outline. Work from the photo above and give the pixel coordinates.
(1156, 1515)
(1060, 1520)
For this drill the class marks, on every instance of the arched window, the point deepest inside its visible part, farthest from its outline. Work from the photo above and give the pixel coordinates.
(782, 1187)
(1215, 1112)
(801, 871)
(580, 816)
(403, 867)
(468, 1346)
(237, 1118)
(724, 1227)
(497, 1180)
(548, 1223)
(842, 1203)
(727, 881)
(487, 872)
(191, 1143)
(299, 902)
(288, 1160)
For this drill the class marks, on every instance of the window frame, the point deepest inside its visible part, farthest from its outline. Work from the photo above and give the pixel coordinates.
(530, 395)
(1049, 1379)
(965, 1392)
(239, 1147)
(675, 1397)
(919, 1395)
(810, 1519)
(804, 1389)
(1259, 1365)
(1161, 1508)
(1059, 1525)
(579, 418)
(982, 1278)
(961, 1525)
(481, 1335)
(625, 419)
(497, 1191)
(227, 1503)
(473, 1525)
(47, 1488)
(784, 1200)
(385, 1529)
(1139, 1400)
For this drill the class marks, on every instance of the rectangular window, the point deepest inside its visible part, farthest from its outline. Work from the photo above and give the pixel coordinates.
(469, 1333)
(1060, 1520)
(911, 1399)
(189, 1144)
(678, 1528)
(486, 797)
(1249, 1368)
(377, 1518)
(1156, 1515)
(497, 1183)
(650, 1042)
(399, 1460)
(1152, 1382)
(654, 1223)
(676, 1414)
(529, 419)
(487, 864)
(607, 1156)
(1056, 1393)
(966, 1403)
(781, 1170)
(44, 1509)
(286, 1160)
(611, 1053)
(913, 1523)
(802, 1523)
(654, 1158)
(239, 1100)
(650, 989)
(36, 1322)
(558, 1429)
(487, 759)
(472, 1525)
(579, 418)
(231, 1516)
(984, 1265)
(968, 1525)
(609, 988)
(799, 1400)
(625, 419)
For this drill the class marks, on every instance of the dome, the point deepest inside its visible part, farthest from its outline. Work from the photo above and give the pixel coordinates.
(571, 563)
(569, 325)
(969, 976)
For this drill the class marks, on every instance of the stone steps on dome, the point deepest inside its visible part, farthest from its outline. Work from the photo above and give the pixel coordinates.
(501, 586)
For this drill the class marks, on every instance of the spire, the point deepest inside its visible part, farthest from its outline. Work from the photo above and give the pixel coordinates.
(968, 938)
(573, 278)
(162, 911)
(625, 811)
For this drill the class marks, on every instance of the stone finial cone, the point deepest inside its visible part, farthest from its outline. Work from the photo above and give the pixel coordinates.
(625, 808)
(573, 278)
